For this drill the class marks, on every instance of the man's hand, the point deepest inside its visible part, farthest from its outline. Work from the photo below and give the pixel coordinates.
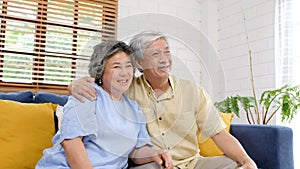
(249, 164)
(233, 149)
(82, 87)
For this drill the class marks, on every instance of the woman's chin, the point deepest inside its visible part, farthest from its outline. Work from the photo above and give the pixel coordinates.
(123, 89)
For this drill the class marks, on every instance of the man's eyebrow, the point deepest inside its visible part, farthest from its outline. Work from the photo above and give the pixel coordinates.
(116, 63)
(155, 50)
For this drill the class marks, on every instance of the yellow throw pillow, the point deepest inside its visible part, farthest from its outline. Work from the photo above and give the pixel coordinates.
(209, 148)
(26, 129)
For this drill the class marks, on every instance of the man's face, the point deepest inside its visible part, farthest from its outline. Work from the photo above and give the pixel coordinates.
(157, 60)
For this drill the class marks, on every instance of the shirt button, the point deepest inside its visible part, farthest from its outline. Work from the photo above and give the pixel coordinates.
(169, 148)
(163, 134)
(160, 118)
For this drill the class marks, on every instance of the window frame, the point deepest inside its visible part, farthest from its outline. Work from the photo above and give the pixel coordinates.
(108, 30)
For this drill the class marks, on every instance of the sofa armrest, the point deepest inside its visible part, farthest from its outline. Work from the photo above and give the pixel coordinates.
(270, 146)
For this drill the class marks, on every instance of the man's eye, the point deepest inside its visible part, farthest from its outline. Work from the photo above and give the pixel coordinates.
(117, 67)
(155, 54)
(167, 52)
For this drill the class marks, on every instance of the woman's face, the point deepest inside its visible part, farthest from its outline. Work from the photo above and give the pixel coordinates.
(157, 61)
(117, 75)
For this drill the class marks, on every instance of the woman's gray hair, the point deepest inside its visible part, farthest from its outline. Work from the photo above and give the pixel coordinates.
(102, 52)
(141, 41)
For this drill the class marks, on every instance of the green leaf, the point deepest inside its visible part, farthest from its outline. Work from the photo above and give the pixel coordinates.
(286, 98)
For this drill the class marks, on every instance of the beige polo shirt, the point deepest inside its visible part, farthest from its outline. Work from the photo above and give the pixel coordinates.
(176, 118)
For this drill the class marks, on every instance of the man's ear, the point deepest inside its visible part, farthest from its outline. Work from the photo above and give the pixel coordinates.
(138, 65)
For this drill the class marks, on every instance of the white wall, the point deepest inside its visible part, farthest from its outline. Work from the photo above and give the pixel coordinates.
(233, 48)
(207, 39)
(185, 23)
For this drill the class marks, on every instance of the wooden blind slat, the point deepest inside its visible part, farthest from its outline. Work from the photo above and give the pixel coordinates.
(104, 24)
(57, 55)
(44, 44)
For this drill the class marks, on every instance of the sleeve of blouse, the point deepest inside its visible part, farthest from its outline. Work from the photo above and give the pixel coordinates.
(79, 119)
(143, 136)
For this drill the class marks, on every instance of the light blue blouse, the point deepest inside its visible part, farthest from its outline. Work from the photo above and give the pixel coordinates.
(110, 130)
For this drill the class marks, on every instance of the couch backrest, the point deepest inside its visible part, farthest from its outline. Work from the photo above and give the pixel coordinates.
(40, 97)
(45, 97)
(23, 96)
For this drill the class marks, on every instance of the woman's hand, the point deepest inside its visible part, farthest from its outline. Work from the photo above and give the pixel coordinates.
(147, 154)
(164, 159)
(82, 87)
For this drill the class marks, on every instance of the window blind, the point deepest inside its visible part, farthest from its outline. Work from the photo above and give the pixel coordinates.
(288, 55)
(44, 44)
(284, 42)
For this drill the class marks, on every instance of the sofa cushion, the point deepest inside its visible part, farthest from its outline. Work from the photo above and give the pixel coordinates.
(45, 97)
(26, 129)
(23, 96)
(209, 148)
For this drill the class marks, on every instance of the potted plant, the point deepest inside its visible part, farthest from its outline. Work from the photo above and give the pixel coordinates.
(285, 100)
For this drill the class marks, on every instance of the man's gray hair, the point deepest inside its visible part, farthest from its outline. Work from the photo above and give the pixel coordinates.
(141, 41)
(102, 52)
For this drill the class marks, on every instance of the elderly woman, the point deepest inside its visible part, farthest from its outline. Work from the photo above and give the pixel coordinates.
(102, 134)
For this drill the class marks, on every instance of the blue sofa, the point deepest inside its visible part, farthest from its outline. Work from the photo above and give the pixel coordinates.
(270, 146)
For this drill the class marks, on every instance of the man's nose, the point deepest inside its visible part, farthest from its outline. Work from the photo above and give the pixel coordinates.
(164, 56)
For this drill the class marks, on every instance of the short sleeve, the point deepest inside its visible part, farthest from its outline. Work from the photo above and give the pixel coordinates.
(208, 119)
(79, 119)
